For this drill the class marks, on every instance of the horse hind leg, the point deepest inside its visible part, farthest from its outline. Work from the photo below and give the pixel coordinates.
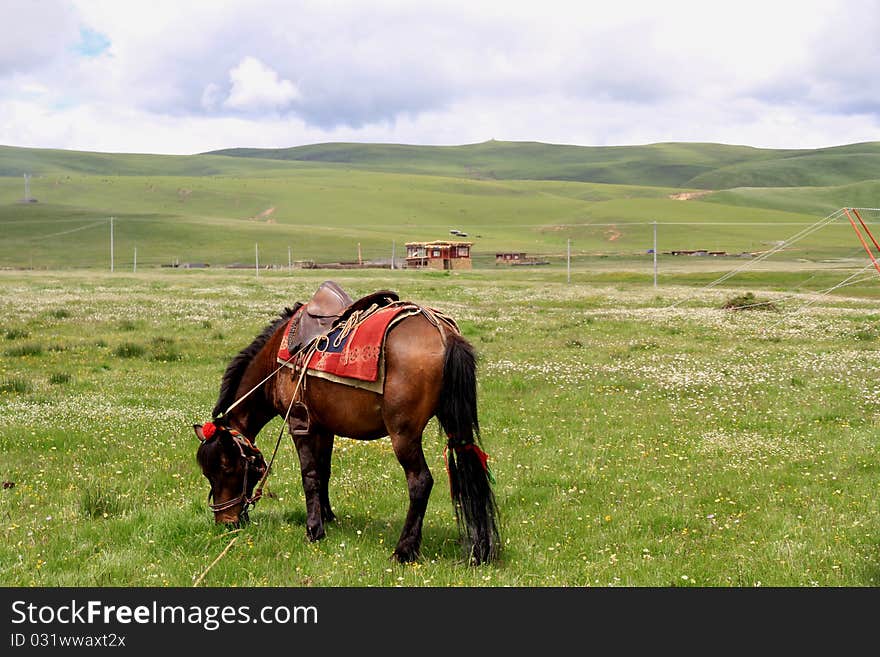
(419, 482)
(414, 366)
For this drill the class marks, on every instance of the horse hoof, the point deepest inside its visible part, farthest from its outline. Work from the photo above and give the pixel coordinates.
(328, 516)
(315, 533)
(405, 555)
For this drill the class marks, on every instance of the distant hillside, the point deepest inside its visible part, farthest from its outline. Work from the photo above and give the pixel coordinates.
(684, 165)
(662, 165)
(44, 161)
(676, 165)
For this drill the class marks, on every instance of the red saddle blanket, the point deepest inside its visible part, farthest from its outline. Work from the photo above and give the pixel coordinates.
(350, 352)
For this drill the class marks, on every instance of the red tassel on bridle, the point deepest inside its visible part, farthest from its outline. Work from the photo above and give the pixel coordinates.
(208, 430)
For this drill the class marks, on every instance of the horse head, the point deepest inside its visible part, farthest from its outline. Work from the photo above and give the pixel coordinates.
(233, 465)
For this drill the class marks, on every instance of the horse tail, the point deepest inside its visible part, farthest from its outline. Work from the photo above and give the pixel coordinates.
(469, 476)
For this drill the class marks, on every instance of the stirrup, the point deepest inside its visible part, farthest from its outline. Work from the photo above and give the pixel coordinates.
(299, 420)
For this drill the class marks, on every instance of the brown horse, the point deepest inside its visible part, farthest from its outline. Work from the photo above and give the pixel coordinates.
(429, 371)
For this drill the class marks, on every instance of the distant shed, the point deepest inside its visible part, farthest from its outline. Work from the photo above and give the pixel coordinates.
(439, 254)
(518, 258)
(509, 257)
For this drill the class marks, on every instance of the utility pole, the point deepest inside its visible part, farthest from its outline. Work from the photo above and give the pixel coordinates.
(655, 254)
(111, 246)
(257, 259)
(393, 253)
(289, 261)
(135, 266)
(568, 261)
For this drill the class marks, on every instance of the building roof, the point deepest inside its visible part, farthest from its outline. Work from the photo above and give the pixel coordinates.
(440, 243)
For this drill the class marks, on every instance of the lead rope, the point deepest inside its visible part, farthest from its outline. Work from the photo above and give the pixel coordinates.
(347, 327)
(252, 390)
(258, 491)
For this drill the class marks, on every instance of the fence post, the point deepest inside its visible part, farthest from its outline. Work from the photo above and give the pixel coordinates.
(655, 254)
(568, 262)
(111, 246)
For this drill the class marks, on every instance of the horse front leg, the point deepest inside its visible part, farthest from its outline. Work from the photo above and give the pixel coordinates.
(307, 449)
(325, 452)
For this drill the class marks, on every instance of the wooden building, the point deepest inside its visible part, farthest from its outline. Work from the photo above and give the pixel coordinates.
(440, 254)
(509, 258)
(518, 258)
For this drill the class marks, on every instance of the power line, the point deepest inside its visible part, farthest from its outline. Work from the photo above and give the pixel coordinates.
(63, 232)
(853, 279)
(776, 249)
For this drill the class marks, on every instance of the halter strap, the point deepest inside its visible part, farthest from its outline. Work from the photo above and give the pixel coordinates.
(240, 441)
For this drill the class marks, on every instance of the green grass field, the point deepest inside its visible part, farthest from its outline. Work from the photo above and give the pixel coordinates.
(639, 437)
(331, 202)
(324, 215)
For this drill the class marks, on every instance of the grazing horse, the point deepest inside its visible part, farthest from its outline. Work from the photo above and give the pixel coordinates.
(429, 370)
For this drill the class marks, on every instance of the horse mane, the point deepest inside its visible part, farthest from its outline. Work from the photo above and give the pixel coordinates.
(238, 365)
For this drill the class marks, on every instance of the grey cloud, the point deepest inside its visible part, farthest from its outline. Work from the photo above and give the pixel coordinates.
(360, 64)
(366, 64)
(369, 67)
(359, 69)
(840, 68)
(33, 33)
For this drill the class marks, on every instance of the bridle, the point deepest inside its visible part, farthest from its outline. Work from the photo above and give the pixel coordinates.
(241, 441)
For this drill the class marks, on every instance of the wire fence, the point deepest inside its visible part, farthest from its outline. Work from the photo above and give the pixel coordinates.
(731, 247)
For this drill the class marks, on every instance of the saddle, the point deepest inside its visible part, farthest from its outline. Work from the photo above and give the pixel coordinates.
(320, 313)
(329, 306)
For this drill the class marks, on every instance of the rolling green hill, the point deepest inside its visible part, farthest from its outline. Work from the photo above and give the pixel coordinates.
(687, 165)
(40, 161)
(330, 202)
(820, 169)
(669, 165)
(684, 165)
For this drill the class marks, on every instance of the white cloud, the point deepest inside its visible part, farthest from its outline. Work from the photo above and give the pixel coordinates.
(189, 77)
(256, 87)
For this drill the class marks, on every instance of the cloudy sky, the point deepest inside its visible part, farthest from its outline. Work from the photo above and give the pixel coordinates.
(164, 76)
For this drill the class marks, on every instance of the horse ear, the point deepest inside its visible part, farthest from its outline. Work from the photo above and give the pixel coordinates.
(198, 429)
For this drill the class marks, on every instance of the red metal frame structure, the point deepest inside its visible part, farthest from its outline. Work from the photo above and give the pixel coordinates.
(861, 238)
